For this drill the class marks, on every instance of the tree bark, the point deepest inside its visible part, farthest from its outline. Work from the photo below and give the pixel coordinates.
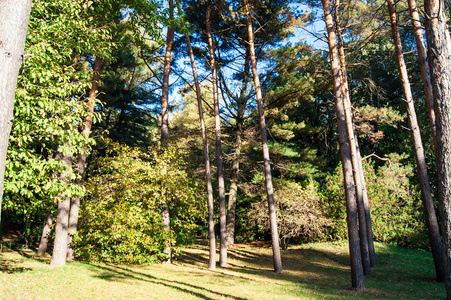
(439, 57)
(233, 191)
(203, 130)
(75, 202)
(424, 67)
(238, 134)
(14, 16)
(268, 178)
(355, 159)
(62, 221)
(43, 243)
(357, 275)
(221, 188)
(165, 215)
(428, 202)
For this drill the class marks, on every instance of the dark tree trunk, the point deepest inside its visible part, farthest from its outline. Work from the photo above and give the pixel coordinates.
(351, 204)
(231, 208)
(268, 177)
(221, 188)
(62, 221)
(43, 243)
(439, 57)
(238, 134)
(75, 202)
(14, 16)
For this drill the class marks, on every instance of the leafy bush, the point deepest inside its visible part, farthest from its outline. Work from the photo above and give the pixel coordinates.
(395, 204)
(299, 214)
(126, 192)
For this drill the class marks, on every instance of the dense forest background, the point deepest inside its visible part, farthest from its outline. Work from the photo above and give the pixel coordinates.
(103, 63)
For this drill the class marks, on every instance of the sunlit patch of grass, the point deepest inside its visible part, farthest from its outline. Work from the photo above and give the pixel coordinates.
(311, 271)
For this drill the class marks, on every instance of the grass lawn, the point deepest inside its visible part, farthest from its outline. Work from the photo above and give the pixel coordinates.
(311, 271)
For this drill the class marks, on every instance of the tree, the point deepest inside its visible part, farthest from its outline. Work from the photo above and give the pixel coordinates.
(221, 189)
(351, 204)
(81, 164)
(165, 112)
(210, 202)
(268, 177)
(439, 57)
(428, 202)
(13, 29)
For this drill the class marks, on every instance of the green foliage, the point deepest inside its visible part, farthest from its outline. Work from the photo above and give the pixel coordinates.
(127, 190)
(395, 203)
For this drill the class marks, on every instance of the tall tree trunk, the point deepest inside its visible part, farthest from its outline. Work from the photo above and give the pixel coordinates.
(238, 134)
(62, 221)
(351, 204)
(165, 215)
(14, 16)
(268, 178)
(439, 57)
(428, 202)
(233, 191)
(43, 243)
(355, 159)
(211, 223)
(424, 67)
(221, 188)
(75, 202)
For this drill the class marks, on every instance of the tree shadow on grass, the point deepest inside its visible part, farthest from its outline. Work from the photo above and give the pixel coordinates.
(326, 270)
(10, 267)
(112, 273)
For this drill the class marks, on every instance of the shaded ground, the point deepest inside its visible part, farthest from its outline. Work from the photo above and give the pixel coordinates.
(313, 271)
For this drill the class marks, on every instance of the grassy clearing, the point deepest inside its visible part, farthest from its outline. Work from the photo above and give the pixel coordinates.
(312, 271)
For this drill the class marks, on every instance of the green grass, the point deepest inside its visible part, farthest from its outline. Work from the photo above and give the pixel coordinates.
(312, 271)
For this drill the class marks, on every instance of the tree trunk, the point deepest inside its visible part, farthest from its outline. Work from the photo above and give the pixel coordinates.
(62, 222)
(221, 188)
(231, 208)
(428, 202)
(238, 133)
(424, 67)
(211, 222)
(366, 204)
(165, 119)
(75, 202)
(14, 16)
(355, 159)
(268, 178)
(43, 243)
(439, 56)
(351, 205)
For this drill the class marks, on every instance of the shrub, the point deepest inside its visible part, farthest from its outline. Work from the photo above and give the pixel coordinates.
(299, 214)
(126, 192)
(395, 204)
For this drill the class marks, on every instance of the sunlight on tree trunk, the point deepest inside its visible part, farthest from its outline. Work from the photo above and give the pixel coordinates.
(268, 177)
(357, 274)
(439, 57)
(62, 220)
(14, 16)
(210, 202)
